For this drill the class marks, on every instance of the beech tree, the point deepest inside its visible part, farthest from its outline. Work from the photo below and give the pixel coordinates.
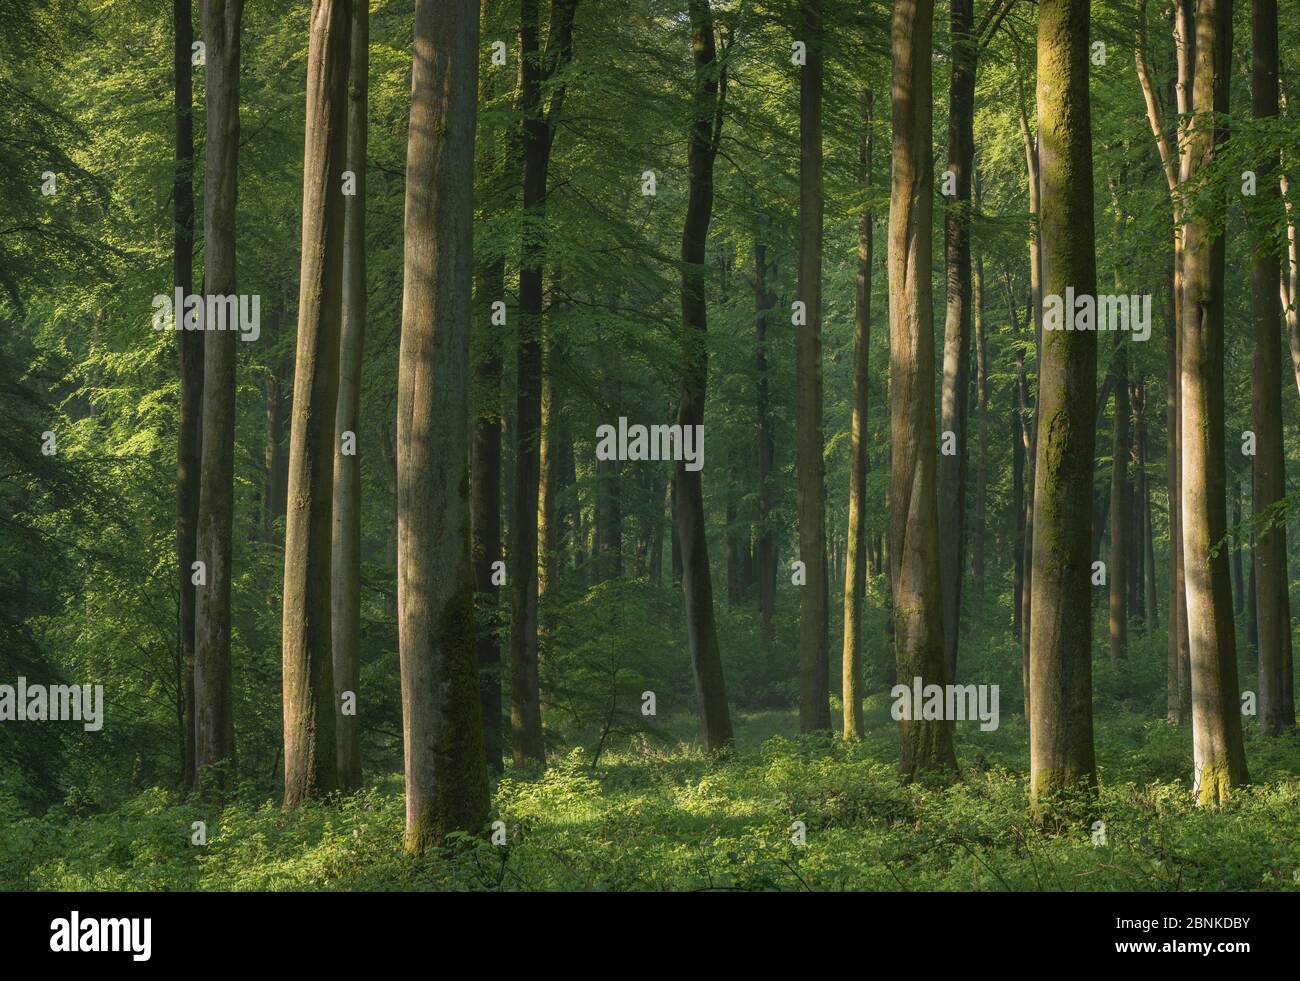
(926, 745)
(707, 105)
(1219, 756)
(1061, 756)
(442, 727)
(214, 720)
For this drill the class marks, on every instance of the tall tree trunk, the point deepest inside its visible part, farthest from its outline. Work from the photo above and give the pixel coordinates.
(275, 459)
(1276, 684)
(1119, 510)
(814, 599)
(1235, 550)
(538, 132)
(926, 745)
(982, 409)
(346, 557)
(1171, 152)
(1061, 752)
(765, 547)
(310, 750)
(957, 324)
(442, 727)
(855, 580)
(1219, 756)
(190, 348)
(214, 721)
(697, 582)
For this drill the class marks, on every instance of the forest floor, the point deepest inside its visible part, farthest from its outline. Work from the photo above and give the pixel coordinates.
(658, 814)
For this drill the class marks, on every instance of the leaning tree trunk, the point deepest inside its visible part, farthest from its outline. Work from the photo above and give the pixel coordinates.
(214, 721)
(697, 581)
(346, 556)
(1218, 754)
(1061, 753)
(855, 566)
(926, 745)
(957, 325)
(190, 346)
(814, 596)
(1276, 685)
(310, 752)
(442, 728)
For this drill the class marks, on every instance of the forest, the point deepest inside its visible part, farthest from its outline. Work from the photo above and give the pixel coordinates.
(649, 445)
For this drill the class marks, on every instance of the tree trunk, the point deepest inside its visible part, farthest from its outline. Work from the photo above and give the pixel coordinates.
(538, 133)
(957, 324)
(310, 750)
(765, 545)
(697, 582)
(855, 580)
(346, 557)
(1062, 759)
(1276, 684)
(814, 601)
(1119, 510)
(190, 348)
(982, 409)
(1219, 756)
(926, 745)
(214, 722)
(442, 728)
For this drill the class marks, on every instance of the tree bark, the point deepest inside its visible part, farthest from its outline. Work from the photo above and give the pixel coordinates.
(957, 324)
(538, 132)
(190, 348)
(214, 723)
(855, 579)
(1276, 684)
(442, 728)
(1119, 510)
(310, 750)
(346, 556)
(1219, 756)
(925, 745)
(697, 582)
(1062, 759)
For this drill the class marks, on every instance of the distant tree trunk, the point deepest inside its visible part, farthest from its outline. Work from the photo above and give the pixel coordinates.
(765, 545)
(1234, 552)
(925, 745)
(1032, 170)
(1276, 674)
(276, 461)
(310, 749)
(697, 583)
(1060, 732)
(855, 580)
(814, 600)
(1148, 562)
(1119, 511)
(190, 347)
(346, 558)
(538, 132)
(1219, 756)
(442, 727)
(675, 524)
(214, 721)
(982, 409)
(957, 324)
